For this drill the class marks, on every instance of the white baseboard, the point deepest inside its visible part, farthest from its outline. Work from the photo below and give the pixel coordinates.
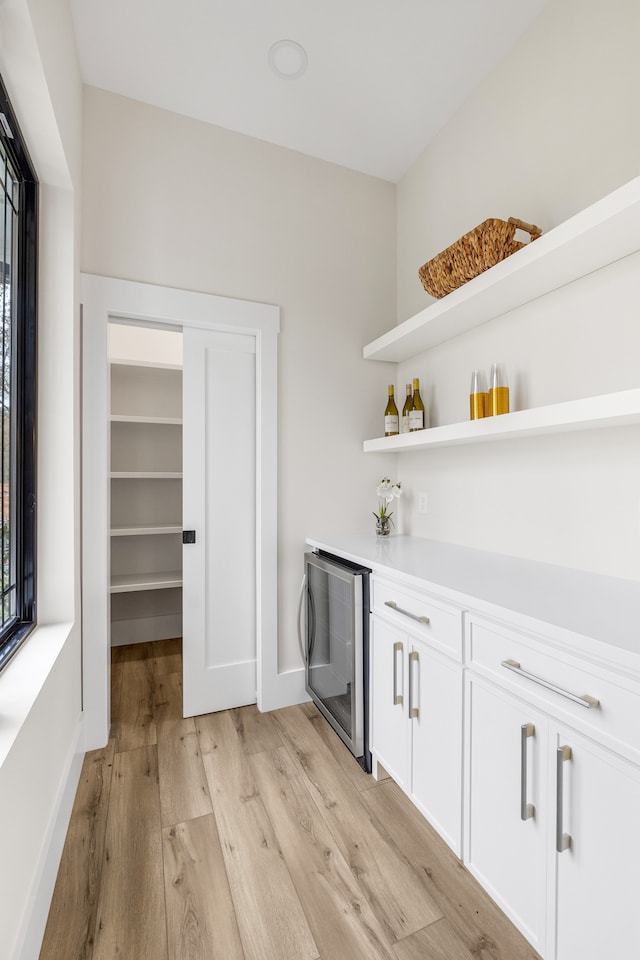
(34, 918)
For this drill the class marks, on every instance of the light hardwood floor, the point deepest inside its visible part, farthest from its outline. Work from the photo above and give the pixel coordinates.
(248, 836)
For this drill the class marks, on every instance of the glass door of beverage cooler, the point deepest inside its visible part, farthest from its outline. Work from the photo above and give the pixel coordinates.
(336, 635)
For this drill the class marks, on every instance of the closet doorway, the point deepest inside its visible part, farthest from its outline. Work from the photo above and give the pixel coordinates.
(145, 510)
(179, 419)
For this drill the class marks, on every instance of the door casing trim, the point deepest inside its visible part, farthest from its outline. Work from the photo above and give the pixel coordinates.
(104, 299)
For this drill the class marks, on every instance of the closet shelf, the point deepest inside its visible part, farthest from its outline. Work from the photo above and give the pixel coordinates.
(121, 418)
(135, 582)
(609, 410)
(145, 475)
(146, 364)
(141, 530)
(606, 231)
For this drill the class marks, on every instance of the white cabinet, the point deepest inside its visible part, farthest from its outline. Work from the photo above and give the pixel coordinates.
(548, 806)
(416, 702)
(146, 501)
(389, 672)
(546, 767)
(435, 710)
(506, 817)
(598, 876)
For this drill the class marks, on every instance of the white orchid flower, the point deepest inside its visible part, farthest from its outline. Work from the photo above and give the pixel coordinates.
(388, 491)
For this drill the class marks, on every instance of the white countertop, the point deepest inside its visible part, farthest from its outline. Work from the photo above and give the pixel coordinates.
(605, 609)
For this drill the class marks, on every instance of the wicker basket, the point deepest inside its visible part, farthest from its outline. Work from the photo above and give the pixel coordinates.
(472, 254)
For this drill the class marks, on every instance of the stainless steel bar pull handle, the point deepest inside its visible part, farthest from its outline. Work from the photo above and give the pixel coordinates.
(397, 649)
(563, 840)
(585, 700)
(406, 613)
(301, 642)
(414, 711)
(527, 810)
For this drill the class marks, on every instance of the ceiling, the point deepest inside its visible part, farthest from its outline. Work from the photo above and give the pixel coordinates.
(383, 76)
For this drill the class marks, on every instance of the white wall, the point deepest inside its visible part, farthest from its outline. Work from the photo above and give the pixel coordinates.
(40, 689)
(550, 131)
(173, 201)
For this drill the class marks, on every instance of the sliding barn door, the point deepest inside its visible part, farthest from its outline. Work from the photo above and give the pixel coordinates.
(219, 513)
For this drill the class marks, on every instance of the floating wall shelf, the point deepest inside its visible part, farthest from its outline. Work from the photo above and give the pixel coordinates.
(603, 233)
(610, 410)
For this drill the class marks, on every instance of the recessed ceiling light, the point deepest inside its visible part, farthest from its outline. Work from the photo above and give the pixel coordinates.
(288, 59)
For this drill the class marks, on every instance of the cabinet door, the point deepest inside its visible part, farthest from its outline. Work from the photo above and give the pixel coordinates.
(389, 691)
(598, 874)
(506, 782)
(435, 716)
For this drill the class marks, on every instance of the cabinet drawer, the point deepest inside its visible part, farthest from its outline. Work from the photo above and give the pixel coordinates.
(559, 683)
(419, 614)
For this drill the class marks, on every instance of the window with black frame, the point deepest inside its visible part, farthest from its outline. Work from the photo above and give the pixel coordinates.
(18, 285)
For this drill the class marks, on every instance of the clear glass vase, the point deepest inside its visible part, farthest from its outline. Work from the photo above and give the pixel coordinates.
(383, 527)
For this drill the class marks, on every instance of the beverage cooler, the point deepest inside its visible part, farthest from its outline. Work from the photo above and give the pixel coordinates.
(336, 647)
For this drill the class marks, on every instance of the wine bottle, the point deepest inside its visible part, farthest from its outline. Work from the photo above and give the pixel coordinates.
(391, 419)
(416, 415)
(406, 410)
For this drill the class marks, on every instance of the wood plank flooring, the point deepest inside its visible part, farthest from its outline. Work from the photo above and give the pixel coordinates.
(249, 836)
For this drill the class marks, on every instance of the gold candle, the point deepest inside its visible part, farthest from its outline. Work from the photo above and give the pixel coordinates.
(498, 391)
(478, 396)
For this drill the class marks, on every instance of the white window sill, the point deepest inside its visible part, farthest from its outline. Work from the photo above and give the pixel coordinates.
(24, 677)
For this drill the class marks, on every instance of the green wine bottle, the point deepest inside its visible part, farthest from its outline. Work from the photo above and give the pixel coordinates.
(406, 410)
(391, 419)
(416, 416)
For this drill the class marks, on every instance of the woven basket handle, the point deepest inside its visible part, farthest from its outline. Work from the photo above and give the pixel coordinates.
(529, 228)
